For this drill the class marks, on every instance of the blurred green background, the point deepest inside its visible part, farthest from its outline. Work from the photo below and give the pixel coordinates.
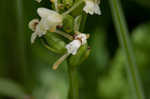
(25, 70)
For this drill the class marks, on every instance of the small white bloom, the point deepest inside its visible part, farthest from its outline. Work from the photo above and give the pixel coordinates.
(73, 46)
(49, 20)
(92, 7)
(38, 1)
(82, 37)
(33, 23)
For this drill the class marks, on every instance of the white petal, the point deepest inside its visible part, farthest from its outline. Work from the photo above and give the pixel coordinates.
(82, 37)
(44, 12)
(33, 37)
(92, 7)
(52, 17)
(49, 20)
(89, 7)
(33, 23)
(42, 28)
(97, 9)
(73, 47)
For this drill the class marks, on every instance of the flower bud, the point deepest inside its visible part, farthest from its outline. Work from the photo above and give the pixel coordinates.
(68, 3)
(68, 24)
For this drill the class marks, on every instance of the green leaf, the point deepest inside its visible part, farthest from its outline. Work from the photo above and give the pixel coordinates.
(12, 89)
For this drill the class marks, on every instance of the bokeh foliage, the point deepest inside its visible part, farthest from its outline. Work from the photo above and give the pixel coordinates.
(25, 70)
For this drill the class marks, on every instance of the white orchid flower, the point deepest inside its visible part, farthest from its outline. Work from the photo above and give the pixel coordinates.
(73, 46)
(49, 20)
(92, 7)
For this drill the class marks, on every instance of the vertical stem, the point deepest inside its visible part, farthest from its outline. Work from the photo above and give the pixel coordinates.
(73, 80)
(123, 36)
(21, 36)
(73, 73)
(21, 43)
(84, 18)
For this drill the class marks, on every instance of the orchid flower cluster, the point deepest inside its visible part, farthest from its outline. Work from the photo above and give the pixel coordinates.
(52, 19)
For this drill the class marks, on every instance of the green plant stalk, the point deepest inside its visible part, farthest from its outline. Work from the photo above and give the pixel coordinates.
(21, 38)
(123, 35)
(72, 71)
(73, 81)
(84, 18)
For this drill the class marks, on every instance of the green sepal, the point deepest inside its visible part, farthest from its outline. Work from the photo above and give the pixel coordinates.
(68, 24)
(82, 54)
(77, 23)
(54, 43)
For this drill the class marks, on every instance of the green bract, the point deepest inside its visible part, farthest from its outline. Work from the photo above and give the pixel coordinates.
(68, 23)
(82, 54)
(55, 43)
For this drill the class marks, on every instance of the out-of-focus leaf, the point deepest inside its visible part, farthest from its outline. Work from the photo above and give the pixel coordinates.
(141, 39)
(124, 40)
(99, 50)
(11, 89)
(114, 85)
(51, 85)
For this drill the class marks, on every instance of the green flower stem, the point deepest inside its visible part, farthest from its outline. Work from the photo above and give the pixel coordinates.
(60, 60)
(77, 23)
(123, 36)
(73, 73)
(18, 4)
(73, 7)
(84, 18)
(68, 36)
(73, 81)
